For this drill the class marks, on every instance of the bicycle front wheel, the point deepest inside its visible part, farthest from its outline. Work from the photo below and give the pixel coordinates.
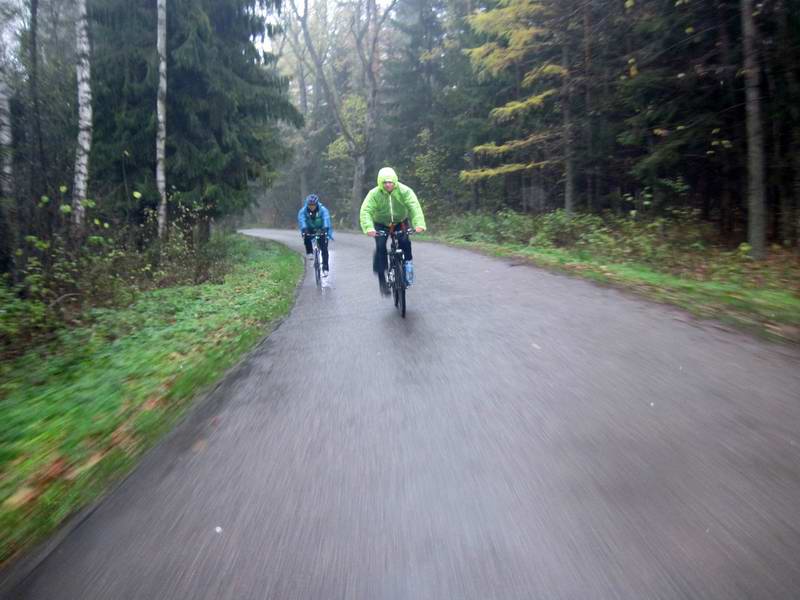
(317, 267)
(399, 289)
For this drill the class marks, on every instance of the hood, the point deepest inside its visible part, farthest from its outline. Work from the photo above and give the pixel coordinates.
(386, 174)
(305, 205)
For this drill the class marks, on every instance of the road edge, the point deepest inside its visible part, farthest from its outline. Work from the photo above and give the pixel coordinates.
(17, 571)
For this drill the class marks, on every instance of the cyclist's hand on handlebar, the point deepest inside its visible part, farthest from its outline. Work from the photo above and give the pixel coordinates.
(419, 229)
(372, 233)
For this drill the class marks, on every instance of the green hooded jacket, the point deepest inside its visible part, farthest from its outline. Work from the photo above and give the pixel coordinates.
(381, 207)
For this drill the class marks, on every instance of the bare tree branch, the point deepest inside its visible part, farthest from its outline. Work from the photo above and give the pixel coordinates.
(331, 93)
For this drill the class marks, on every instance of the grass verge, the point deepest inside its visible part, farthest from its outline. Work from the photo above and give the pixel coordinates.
(768, 310)
(76, 415)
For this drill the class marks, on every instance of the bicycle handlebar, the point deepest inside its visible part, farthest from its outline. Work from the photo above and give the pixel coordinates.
(316, 234)
(386, 233)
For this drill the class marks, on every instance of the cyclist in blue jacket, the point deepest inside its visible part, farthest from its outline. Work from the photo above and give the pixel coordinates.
(312, 218)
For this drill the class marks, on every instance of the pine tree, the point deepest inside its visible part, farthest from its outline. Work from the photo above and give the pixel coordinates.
(530, 46)
(125, 70)
(227, 99)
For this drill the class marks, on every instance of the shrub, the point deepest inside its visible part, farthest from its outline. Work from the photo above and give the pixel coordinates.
(678, 242)
(59, 284)
(560, 230)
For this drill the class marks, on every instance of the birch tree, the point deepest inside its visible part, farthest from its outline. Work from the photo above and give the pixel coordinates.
(84, 145)
(6, 140)
(7, 233)
(161, 136)
(6, 133)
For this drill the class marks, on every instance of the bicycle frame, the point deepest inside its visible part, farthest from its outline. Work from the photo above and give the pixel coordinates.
(315, 237)
(396, 268)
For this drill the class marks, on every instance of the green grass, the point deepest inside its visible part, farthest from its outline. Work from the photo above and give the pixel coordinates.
(769, 308)
(75, 416)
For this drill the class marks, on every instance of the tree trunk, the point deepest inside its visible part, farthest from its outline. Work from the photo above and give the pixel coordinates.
(368, 30)
(331, 95)
(359, 170)
(6, 140)
(302, 77)
(303, 175)
(773, 153)
(84, 145)
(475, 196)
(7, 231)
(591, 171)
(730, 196)
(305, 150)
(161, 109)
(756, 218)
(790, 196)
(796, 186)
(569, 167)
(33, 50)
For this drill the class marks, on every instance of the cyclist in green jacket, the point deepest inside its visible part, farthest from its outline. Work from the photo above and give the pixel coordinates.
(389, 204)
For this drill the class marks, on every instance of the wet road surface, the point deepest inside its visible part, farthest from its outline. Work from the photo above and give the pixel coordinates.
(519, 435)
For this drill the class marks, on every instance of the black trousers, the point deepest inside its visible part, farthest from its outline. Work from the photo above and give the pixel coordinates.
(323, 247)
(379, 259)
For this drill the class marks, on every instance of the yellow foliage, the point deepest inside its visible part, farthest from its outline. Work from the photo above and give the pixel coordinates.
(430, 55)
(476, 175)
(512, 26)
(541, 71)
(507, 18)
(517, 107)
(492, 58)
(493, 149)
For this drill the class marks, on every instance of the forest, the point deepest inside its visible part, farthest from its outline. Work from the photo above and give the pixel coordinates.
(588, 106)
(652, 145)
(129, 132)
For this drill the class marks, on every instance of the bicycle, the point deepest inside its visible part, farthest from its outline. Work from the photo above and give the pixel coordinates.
(315, 237)
(396, 269)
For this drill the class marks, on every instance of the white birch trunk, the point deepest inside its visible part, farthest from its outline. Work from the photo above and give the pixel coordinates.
(161, 136)
(6, 165)
(84, 146)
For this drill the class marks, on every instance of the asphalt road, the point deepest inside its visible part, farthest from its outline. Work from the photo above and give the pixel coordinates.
(520, 435)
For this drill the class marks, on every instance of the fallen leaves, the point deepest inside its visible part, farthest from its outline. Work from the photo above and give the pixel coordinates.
(20, 498)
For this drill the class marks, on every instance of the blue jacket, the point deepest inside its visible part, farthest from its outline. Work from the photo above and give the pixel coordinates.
(322, 220)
